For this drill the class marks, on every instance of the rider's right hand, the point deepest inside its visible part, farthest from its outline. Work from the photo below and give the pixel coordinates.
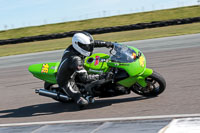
(109, 45)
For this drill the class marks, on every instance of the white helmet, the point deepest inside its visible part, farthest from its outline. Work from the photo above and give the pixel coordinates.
(82, 42)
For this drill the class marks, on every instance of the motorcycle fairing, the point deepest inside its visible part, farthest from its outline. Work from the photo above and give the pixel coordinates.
(45, 71)
(96, 63)
(140, 79)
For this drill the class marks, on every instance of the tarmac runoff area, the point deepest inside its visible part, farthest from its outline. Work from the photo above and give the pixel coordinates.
(177, 58)
(144, 124)
(184, 125)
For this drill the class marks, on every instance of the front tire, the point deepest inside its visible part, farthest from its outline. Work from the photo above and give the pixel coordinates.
(156, 84)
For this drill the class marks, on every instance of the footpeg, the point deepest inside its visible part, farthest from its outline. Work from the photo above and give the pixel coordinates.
(90, 99)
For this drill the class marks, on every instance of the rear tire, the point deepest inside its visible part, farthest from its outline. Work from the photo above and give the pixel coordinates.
(156, 84)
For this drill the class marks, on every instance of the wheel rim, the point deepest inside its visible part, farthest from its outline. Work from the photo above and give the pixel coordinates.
(152, 86)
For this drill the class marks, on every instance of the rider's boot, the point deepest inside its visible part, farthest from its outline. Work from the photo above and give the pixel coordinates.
(81, 102)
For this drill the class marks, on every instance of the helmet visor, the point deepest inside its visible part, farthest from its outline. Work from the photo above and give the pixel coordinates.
(87, 47)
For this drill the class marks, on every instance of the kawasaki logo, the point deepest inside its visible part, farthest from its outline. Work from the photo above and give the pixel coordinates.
(95, 71)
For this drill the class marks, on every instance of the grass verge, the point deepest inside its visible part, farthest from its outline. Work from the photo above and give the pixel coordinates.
(56, 44)
(144, 17)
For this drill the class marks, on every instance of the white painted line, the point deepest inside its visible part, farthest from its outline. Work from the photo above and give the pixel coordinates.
(103, 126)
(103, 120)
(184, 125)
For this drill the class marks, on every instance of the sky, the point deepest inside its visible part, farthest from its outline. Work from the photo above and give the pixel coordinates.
(23, 13)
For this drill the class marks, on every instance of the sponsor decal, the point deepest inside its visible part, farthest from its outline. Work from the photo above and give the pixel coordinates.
(53, 67)
(45, 68)
(95, 71)
(103, 60)
(134, 56)
(97, 60)
(116, 64)
(142, 61)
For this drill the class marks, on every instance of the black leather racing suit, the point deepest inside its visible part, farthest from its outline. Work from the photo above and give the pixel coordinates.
(71, 66)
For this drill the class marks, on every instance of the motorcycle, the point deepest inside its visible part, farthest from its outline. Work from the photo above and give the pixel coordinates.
(129, 73)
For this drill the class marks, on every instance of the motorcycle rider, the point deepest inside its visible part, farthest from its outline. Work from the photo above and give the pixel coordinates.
(71, 65)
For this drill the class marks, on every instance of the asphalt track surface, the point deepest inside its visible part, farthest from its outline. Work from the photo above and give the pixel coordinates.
(176, 58)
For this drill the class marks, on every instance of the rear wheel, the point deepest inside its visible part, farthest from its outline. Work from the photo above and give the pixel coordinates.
(155, 85)
(50, 87)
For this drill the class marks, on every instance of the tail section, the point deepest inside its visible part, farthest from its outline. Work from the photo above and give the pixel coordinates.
(45, 71)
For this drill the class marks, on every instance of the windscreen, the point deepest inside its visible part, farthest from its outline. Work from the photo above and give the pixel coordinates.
(122, 54)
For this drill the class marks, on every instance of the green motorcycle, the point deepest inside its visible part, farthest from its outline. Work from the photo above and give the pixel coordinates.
(129, 73)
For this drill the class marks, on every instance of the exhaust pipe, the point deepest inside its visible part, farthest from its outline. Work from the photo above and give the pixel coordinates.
(53, 95)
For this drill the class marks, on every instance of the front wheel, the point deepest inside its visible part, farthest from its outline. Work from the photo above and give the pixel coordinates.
(155, 85)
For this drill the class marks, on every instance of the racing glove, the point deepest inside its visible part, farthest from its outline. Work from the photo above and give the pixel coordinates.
(99, 43)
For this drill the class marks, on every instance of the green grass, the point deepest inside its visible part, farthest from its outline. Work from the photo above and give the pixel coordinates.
(56, 44)
(176, 13)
